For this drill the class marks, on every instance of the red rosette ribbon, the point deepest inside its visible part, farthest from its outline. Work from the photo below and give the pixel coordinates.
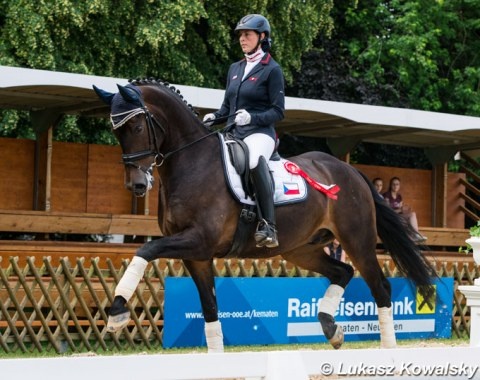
(329, 191)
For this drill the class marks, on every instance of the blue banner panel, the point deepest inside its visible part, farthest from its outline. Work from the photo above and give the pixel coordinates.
(284, 310)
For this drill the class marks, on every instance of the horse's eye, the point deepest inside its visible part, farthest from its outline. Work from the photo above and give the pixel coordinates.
(138, 129)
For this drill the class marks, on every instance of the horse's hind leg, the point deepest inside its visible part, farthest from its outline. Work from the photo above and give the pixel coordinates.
(313, 258)
(202, 275)
(381, 292)
(365, 261)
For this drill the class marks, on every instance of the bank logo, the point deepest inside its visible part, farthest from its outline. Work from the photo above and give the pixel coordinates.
(425, 306)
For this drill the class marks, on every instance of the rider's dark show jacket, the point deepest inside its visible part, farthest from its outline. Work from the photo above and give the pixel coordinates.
(261, 94)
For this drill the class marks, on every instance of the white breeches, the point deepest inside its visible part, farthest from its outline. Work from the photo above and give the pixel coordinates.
(259, 144)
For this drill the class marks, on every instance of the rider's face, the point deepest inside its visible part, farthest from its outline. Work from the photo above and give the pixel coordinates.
(248, 40)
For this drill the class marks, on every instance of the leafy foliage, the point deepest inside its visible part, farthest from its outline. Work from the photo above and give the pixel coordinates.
(186, 41)
(183, 41)
(425, 52)
(474, 232)
(418, 54)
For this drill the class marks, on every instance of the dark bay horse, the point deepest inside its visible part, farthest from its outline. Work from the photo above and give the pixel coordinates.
(198, 216)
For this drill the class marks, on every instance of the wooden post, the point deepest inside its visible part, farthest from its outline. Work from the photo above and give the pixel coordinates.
(439, 196)
(43, 171)
(439, 158)
(43, 123)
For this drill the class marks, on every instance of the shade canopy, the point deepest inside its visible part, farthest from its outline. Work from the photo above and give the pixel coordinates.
(342, 124)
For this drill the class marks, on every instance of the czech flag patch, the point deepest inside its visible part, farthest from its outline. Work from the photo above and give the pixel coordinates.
(291, 188)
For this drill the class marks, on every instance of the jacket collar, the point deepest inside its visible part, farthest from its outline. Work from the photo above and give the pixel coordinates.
(266, 59)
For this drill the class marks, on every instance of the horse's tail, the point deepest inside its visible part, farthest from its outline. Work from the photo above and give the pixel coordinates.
(396, 235)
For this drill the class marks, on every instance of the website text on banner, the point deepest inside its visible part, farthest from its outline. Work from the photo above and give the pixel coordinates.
(284, 310)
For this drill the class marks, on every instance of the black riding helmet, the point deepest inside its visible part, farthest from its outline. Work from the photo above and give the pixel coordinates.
(259, 24)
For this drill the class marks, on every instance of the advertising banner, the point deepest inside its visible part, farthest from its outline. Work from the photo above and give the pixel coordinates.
(284, 310)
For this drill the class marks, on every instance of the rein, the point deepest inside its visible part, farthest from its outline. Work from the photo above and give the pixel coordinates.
(218, 121)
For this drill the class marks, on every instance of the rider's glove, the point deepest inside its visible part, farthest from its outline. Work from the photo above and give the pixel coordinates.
(242, 117)
(208, 119)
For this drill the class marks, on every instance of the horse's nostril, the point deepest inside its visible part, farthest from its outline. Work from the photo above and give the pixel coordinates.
(139, 189)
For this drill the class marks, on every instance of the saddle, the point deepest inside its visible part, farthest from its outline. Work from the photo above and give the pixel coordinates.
(290, 185)
(235, 158)
(239, 158)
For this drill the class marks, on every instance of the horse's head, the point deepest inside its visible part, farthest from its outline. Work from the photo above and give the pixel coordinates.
(136, 130)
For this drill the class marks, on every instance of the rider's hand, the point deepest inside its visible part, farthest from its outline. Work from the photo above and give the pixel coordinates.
(208, 119)
(242, 117)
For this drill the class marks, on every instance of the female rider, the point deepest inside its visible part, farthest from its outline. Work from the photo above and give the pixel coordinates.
(255, 98)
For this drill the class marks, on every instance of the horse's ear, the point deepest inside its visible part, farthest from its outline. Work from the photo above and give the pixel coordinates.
(130, 95)
(104, 95)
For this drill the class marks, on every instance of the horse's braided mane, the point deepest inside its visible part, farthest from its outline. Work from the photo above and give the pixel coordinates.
(158, 82)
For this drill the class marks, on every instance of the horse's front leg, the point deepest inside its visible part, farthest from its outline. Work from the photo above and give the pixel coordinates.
(202, 275)
(119, 315)
(184, 245)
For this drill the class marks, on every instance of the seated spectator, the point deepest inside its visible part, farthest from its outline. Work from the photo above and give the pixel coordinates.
(335, 250)
(378, 184)
(395, 200)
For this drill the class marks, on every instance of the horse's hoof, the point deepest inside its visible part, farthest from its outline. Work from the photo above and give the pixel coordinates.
(337, 339)
(388, 343)
(118, 322)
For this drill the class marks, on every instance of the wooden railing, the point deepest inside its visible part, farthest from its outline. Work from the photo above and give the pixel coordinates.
(78, 223)
(145, 225)
(61, 304)
(54, 295)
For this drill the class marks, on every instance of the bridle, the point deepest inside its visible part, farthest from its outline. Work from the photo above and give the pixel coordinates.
(129, 159)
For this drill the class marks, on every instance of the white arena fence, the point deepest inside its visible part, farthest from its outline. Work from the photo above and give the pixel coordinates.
(421, 363)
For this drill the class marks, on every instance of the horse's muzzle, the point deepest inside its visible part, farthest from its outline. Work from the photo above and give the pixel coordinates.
(139, 181)
(139, 190)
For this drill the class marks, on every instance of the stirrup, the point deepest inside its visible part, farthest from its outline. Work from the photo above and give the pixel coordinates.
(266, 235)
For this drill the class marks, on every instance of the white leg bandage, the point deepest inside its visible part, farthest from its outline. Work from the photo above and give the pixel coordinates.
(214, 335)
(132, 276)
(387, 331)
(331, 299)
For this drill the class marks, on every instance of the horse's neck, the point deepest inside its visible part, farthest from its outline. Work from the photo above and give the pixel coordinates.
(186, 177)
(191, 158)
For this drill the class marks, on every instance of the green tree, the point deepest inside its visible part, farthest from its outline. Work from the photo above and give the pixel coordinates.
(190, 42)
(420, 54)
(184, 41)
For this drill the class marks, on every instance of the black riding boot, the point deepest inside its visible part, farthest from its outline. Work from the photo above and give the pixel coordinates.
(266, 234)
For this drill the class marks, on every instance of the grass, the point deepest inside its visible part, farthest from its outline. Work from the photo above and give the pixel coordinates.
(253, 348)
